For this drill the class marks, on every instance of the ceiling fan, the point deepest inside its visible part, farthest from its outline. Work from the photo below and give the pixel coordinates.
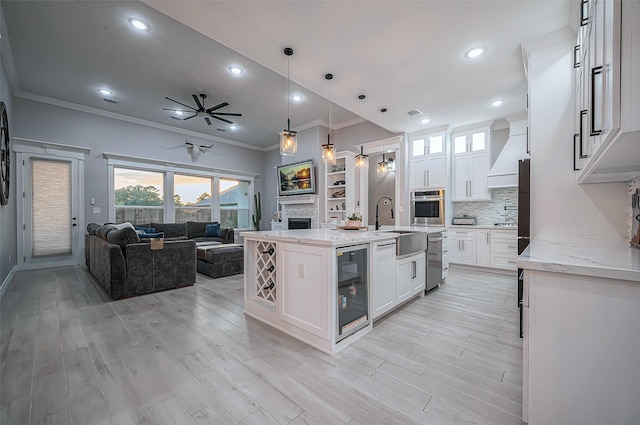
(200, 111)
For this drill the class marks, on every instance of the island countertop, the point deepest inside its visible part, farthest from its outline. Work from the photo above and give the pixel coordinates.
(587, 256)
(327, 237)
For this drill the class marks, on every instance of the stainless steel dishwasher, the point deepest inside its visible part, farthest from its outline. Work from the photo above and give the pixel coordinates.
(434, 260)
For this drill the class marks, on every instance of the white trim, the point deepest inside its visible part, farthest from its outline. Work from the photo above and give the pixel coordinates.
(297, 199)
(139, 121)
(427, 131)
(158, 165)
(41, 147)
(485, 125)
(6, 284)
(390, 144)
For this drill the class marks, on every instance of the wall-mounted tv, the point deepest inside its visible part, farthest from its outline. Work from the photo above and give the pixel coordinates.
(296, 179)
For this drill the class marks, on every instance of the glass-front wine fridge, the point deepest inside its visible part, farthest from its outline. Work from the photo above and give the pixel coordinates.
(353, 290)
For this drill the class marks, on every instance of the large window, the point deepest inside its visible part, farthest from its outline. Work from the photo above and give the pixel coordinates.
(172, 195)
(138, 196)
(192, 198)
(234, 203)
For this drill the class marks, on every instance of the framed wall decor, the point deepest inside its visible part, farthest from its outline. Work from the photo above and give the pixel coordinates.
(5, 155)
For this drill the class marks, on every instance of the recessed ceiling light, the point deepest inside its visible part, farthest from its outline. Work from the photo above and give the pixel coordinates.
(475, 52)
(105, 92)
(497, 102)
(425, 120)
(138, 24)
(233, 127)
(235, 70)
(296, 98)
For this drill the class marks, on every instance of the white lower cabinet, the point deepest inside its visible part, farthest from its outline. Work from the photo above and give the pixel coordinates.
(383, 279)
(410, 276)
(495, 248)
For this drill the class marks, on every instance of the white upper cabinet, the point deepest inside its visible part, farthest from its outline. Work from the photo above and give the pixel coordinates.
(470, 165)
(607, 62)
(428, 161)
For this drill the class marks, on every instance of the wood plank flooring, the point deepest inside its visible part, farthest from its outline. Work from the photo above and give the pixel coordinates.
(189, 356)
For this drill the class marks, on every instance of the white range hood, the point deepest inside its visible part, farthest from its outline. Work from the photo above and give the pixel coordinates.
(504, 172)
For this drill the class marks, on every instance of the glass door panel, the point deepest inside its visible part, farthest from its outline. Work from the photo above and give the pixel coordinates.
(352, 290)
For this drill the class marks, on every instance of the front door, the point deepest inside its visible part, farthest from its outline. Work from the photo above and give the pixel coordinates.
(50, 207)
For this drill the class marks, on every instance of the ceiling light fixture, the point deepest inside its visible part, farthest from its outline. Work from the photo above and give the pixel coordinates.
(233, 127)
(138, 24)
(296, 98)
(179, 112)
(475, 52)
(497, 102)
(425, 120)
(235, 70)
(105, 92)
(329, 150)
(383, 167)
(362, 160)
(288, 138)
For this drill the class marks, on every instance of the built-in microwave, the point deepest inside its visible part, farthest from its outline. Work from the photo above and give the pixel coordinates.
(427, 208)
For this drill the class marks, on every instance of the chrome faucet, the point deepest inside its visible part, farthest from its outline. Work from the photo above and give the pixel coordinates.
(390, 203)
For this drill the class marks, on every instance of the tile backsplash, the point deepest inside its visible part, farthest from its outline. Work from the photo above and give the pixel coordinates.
(493, 211)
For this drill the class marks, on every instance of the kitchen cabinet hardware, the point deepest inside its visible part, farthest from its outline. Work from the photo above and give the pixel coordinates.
(576, 139)
(596, 99)
(584, 12)
(583, 115)
(576, 56)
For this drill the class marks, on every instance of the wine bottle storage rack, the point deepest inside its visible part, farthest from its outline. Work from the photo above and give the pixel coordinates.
(266, 271)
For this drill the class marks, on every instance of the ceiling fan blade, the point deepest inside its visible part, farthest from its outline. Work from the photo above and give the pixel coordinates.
(188, 118)
(200, 106)
(225, 113)
(222, 119)
(180, 103)
(207, 120)
(213, 108)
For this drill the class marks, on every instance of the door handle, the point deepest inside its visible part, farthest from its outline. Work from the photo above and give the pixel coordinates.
(427, 177)
(413, 270)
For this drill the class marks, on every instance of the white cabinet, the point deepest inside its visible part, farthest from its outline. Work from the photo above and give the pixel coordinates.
(471, 163)
(383, 279)
(607, 61)
(427, 167)
(504, 249)
(462, 247)
(483, 247)
(410, 276)
(340, 199)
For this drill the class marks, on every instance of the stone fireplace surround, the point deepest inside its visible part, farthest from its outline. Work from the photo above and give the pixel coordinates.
(300, 206)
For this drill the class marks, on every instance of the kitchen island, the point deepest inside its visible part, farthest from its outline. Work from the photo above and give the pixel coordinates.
(317, 284)
(581, 346)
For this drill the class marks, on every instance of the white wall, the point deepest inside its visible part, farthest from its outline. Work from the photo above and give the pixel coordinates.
(559, 206)
(40, 121)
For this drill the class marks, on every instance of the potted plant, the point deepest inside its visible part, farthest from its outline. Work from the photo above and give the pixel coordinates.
(354, 220)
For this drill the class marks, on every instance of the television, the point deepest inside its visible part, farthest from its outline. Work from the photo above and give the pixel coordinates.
(296, 179)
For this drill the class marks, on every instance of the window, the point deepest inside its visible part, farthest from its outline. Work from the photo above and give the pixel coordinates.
(192, 198)
(138, 196)
(234, 203)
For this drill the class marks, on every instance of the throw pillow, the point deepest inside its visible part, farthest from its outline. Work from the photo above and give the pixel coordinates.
(146, 229)
(123, 225)
(212, 230)
(151, 235)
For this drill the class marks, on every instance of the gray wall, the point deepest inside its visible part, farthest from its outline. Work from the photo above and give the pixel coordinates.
(8, 224)
(346, 138)
(40, 121)
(380, 186)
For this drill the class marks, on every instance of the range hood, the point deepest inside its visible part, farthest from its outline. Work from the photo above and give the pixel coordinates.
(504, 172)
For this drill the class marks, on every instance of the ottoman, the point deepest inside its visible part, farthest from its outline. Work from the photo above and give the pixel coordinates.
(221, 260)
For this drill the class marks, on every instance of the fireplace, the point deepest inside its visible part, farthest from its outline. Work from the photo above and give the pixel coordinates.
(299, 223)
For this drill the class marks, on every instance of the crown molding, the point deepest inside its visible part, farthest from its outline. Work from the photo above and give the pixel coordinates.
(139, 121)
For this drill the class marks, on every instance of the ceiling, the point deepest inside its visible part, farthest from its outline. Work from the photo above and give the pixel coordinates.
(401, 54)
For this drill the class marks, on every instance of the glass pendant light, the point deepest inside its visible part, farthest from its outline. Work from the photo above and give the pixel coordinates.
(329, 150)
(383, 166)
(362, 160)
(288, 138)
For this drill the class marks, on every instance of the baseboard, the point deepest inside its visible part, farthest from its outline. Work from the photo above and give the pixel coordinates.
(6, 285)
(483, 269)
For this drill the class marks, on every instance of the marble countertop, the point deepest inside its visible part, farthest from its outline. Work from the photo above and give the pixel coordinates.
(328, 237)
(599, 257)
(481, 226)
(423, 229)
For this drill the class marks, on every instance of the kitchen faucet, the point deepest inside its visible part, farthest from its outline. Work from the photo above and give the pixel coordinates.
(390, 203)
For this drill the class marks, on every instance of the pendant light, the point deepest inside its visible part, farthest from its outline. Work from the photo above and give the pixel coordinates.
(383, 166)
(329, 150)
(288, 138)
(362, 160)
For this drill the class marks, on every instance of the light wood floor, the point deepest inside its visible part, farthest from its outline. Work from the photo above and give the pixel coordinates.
(190, 356)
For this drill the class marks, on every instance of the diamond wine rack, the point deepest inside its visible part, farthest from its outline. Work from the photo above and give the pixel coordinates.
(266, 271)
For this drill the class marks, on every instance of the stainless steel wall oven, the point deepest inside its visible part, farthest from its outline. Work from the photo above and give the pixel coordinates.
(427, 208)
